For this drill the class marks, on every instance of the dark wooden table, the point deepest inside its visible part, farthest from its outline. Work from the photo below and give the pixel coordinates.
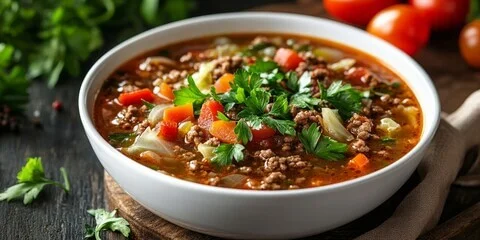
(62, 142)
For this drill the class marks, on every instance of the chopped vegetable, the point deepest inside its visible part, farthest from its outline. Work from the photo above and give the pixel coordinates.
(168, 130)
(264, 132)
(209, 113)
(179, 114)
(322, 146)
(343, 64)
(156, 113)
(333, 126)
(226, 153)
(359, 161)
(224, 131)
(30, 182)
(184, 127)
(136, 97)
(203, 78)
(106, 221)
(206, 150)
(222, 85)
(412, 115)
(166, 91)
(119, 139)
(388, 125)
(232, 180)
(329, 54)
(150, 141)
(287, 58)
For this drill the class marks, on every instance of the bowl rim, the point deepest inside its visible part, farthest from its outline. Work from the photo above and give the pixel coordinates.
(95, 137)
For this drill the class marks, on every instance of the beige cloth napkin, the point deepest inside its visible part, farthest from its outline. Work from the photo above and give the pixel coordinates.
(421, 208)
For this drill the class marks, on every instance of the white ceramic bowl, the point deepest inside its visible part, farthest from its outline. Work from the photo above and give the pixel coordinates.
(246, 214)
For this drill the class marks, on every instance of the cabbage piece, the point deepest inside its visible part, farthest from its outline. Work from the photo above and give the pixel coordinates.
(184, 127)
(206, 150)
(156, 114)
(203, 78)
(412, 115)
(343, 64)
(389, 126)
(332, 124)
(150, 141)
(232, 180)
(328, 54)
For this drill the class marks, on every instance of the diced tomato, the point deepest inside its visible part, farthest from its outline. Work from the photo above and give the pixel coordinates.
(222, 85)
(357, 76)
(224, 131)
(263, 133)
(166, 91)
(359, 161)
(208, 113)
(287, 58)
(136, 97)
(168, 130)
(179, 114)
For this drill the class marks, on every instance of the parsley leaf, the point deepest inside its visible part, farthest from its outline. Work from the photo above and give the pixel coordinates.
(121, 138)
(344, 98)
(106, 221)
(321, 146)
(225, 153)
(388, 140)
(257, 102)
(243, 132)
(280, 107)
(285, 127)
(222, 116)
(292, 81)
(31, 181)
(304, 100)
(149, 105)
(189, 94)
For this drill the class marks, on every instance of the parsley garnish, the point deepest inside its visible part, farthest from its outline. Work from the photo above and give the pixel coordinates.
(31, 181)
(321, 146)
(344, 98)
(387, 140)
(243, 132)
(121, 138)
(280, 107)
(105, 220)
(189, 94)
(225, 153)
(222, 116)
(149, 105)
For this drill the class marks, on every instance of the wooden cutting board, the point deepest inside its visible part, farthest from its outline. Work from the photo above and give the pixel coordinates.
(454, 82)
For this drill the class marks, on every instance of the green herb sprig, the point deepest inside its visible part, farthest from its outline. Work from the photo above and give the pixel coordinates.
(106, 221)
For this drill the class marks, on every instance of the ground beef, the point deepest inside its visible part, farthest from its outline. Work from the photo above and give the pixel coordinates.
(186, 57)
(214, 142)
(306, 117)
(129, 117)
(272, 181)
(290, 143)
(260, 40)
(360, 126)
(195, 135)
(213, 181)
(245, 170)
(139, 128)
(175, 76)
(188, 156)
(359, 146)
(361, 74)
(272, 162)
(226, 64)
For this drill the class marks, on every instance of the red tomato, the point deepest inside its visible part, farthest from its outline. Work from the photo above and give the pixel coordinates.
(263, 133)
(357, 76)
(168, 130)
(209, 113)
(287, 58)
(402, 26)
(470, 43)
(443, 14)
(136, 97)
(358, 12)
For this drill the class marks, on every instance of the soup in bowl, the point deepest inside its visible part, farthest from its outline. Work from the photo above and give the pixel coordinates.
(293, 120)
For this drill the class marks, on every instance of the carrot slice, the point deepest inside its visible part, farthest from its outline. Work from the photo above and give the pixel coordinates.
(209, 113)
(166, 91)
(359, 161)
(224, 131)
(136, 97)
(287, 58)
(179, 114)
(168, 130)
(222, 85)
